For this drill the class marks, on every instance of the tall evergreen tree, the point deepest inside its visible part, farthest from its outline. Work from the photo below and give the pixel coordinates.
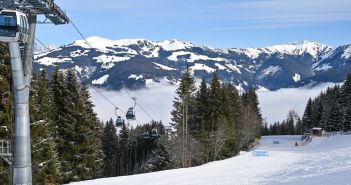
(183, 114)
(124, 151)
(46, 165)
(251, 120)
(109, 147)
(307, 117)
(5, 106)
(346, 103)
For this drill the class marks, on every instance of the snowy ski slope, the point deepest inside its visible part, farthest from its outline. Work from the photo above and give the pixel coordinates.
(325, 161)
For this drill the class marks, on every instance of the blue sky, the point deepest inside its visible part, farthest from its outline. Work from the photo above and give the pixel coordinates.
(216, 23)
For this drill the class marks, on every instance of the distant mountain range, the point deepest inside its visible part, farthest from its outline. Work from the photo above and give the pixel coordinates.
(136, 63)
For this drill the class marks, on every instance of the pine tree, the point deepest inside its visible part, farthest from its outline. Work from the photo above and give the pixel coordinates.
(251, 120)
(307, 117)
(46, 165)
(90, 137)
(124, 151)
(5, 106)
(317, 112)
(64, 124)
(215, 102)
(202, 112)
(109, 147)
(332, 116)
(346, 103)
(183, 114)
(78, 129)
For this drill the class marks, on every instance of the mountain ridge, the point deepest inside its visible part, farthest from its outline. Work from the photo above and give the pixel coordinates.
(114, 64)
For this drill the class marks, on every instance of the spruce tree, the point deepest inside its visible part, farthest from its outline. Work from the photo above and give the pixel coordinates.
(109, 147)
(46, 165)
(216, 108)
(202, 112)
(5, 106)
(307, 117)
(124, 151)
(183, 115)
(346, 103)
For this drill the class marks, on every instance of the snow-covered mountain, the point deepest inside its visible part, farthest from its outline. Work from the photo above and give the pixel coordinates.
(38, 49)
(135, 63)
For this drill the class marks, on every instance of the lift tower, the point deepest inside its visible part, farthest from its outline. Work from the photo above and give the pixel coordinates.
(22, 71)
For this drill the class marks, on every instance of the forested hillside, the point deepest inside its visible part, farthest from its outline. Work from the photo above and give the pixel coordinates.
(69, 142)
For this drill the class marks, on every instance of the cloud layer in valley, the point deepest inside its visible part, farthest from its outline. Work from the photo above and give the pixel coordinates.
(158, 100)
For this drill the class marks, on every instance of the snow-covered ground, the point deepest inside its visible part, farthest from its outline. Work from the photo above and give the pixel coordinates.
(323, 162)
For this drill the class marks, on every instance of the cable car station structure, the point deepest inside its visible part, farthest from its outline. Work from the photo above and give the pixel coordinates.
(18, 19)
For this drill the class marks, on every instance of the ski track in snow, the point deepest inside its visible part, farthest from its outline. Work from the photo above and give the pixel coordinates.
(325, 161)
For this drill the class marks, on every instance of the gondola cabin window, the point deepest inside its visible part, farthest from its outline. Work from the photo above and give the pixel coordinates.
(8, 24)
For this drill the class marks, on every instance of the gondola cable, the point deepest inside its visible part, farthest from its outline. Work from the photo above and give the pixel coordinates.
(102, 95)
(86, 41)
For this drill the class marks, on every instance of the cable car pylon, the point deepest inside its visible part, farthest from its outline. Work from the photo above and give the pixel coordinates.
(17, 28)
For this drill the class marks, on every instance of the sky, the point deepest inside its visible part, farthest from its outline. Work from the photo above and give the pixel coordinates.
(214, 23)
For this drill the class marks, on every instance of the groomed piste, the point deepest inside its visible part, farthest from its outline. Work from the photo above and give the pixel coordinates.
(324, 161)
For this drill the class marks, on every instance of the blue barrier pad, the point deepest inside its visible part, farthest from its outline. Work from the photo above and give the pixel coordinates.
(260, 153)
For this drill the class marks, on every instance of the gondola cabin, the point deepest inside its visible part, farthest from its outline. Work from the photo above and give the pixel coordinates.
(146, 135)
(13, 26)
(130, 114)
(154, 133)
(119, 121)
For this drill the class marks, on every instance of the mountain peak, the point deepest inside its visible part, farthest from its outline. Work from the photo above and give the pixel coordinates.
(303, 42)
(174, 44)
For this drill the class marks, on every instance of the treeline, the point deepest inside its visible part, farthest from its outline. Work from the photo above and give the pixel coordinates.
(331, 110)
(290, 126)
(212, 122)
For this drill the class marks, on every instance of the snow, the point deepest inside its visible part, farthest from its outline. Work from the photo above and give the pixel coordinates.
(220, 67)
(160, 66)
(51, 61)
(193, 57)
(39, 49)
(95, 42)
(324, 67)
(153, 54)
(101, 80)
(233, 67)
(202, 67)
(109, 58)
(271, 70)
(347, 53)
(135, 76)
(250, 52)
(78, 69)
(299, 48)
(79, 53)
(296, 77)
(149, 82)
(325, 161)
(174, 44)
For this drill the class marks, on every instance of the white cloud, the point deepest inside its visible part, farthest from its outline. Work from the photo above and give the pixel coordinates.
(276, 104)
(157, 101)
(257, 14)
